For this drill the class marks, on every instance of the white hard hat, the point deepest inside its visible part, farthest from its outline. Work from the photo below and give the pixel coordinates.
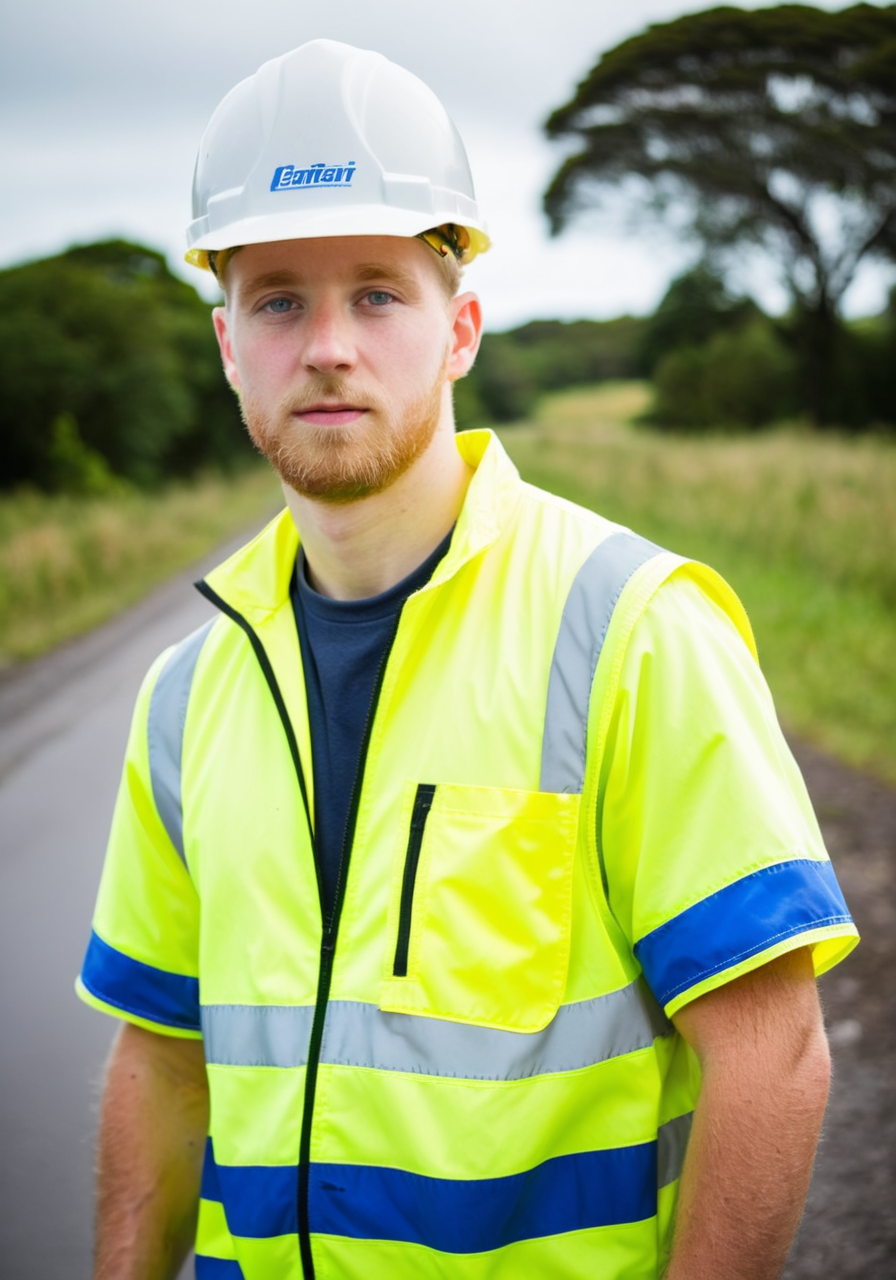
(329, 140)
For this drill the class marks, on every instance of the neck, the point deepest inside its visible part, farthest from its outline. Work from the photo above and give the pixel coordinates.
(358, 549)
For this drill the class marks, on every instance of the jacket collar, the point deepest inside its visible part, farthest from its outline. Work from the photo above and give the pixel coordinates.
(256, 579)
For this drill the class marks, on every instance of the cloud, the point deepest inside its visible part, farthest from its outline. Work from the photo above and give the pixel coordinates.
(102, 105)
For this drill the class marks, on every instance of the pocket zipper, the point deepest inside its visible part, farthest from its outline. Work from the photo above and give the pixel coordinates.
(422, 805)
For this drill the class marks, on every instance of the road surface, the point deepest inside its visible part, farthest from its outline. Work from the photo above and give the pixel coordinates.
(63, 723)
(63, 726)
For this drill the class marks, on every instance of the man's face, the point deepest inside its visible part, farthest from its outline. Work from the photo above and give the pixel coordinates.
(342, 351)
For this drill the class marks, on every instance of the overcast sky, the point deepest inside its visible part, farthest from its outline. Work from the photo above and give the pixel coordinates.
(103, 102)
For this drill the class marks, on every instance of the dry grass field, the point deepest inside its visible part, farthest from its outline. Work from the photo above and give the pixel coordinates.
(67, 563)
(802, 525)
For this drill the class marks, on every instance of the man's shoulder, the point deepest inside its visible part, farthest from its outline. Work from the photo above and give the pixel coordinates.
(171, 672)
(536, 498)
(184, 653)
(559, 531)
(666, 586)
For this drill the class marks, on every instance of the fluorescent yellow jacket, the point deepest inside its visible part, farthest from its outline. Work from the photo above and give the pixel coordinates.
(575, 813)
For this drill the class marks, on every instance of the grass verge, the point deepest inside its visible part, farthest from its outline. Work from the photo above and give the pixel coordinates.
(803, 527)
(68, 563)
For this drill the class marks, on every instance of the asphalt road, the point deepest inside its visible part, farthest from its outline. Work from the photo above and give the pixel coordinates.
(63, 724)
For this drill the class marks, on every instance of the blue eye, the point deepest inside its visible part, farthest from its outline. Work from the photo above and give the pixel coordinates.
(278, 306)
(379, 298)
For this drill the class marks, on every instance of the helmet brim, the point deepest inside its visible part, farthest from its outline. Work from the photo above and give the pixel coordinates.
(360, 220)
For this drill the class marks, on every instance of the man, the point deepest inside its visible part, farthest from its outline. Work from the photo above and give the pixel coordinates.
(461, 887)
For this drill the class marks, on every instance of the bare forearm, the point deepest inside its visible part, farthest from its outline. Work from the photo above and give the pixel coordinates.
(152, 1137)
(753, 1142)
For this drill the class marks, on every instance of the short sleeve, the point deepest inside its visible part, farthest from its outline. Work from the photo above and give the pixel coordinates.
(142, 958)
(713, 859)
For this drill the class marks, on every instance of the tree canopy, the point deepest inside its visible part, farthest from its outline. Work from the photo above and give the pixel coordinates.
(774, 128)
(109, 366)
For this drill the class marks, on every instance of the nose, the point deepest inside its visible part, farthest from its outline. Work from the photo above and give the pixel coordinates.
(328, 338)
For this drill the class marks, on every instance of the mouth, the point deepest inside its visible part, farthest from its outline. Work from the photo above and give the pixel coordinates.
(330, 415)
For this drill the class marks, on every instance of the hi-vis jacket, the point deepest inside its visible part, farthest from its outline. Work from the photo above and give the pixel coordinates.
(559, 835)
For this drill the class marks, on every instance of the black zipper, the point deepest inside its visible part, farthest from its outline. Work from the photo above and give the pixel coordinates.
(422, 805)
(331, 924)
(268, 671)
(327, 955)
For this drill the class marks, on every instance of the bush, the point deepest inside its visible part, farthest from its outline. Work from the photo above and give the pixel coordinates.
(744, 378)
(695, 308)
(750, 376)
(73, 467)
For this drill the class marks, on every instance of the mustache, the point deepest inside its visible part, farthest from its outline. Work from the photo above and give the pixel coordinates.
(329, 388)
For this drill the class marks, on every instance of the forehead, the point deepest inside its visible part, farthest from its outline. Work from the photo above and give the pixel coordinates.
(334, 260)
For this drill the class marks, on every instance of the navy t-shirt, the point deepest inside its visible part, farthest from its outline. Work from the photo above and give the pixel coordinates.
(343, 644)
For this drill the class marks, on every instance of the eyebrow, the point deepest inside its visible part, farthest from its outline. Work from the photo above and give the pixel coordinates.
(397, 275)
(271, 280)
(366, 272)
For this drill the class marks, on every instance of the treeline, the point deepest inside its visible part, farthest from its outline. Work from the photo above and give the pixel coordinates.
(513, 369)
(714, 360)
(110, 373)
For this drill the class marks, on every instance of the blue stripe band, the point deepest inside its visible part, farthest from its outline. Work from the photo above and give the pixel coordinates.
(741, 920)
(567, 1193)
(217, 1268)
(259, 1200)
(210, 1188)
(155, 994)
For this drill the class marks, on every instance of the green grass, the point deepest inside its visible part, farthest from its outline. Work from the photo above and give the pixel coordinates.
(803, 527)
(68, 563)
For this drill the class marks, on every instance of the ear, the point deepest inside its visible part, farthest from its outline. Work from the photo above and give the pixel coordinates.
(466, 334)
(219, 318)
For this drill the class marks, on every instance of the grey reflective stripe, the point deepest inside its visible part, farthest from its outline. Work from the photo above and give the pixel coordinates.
(242, 1035)
(583, 628)
(363, 1035)
(165, 732)
(672, 1143)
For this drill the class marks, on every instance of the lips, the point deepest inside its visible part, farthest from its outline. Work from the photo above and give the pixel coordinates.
(330, 415)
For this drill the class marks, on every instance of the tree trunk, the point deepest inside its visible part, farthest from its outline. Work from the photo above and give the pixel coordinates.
(814, 335)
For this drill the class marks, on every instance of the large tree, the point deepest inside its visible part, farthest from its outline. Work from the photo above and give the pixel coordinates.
(772, 128)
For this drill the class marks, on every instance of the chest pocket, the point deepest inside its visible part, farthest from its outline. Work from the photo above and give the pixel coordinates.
(480, 905)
